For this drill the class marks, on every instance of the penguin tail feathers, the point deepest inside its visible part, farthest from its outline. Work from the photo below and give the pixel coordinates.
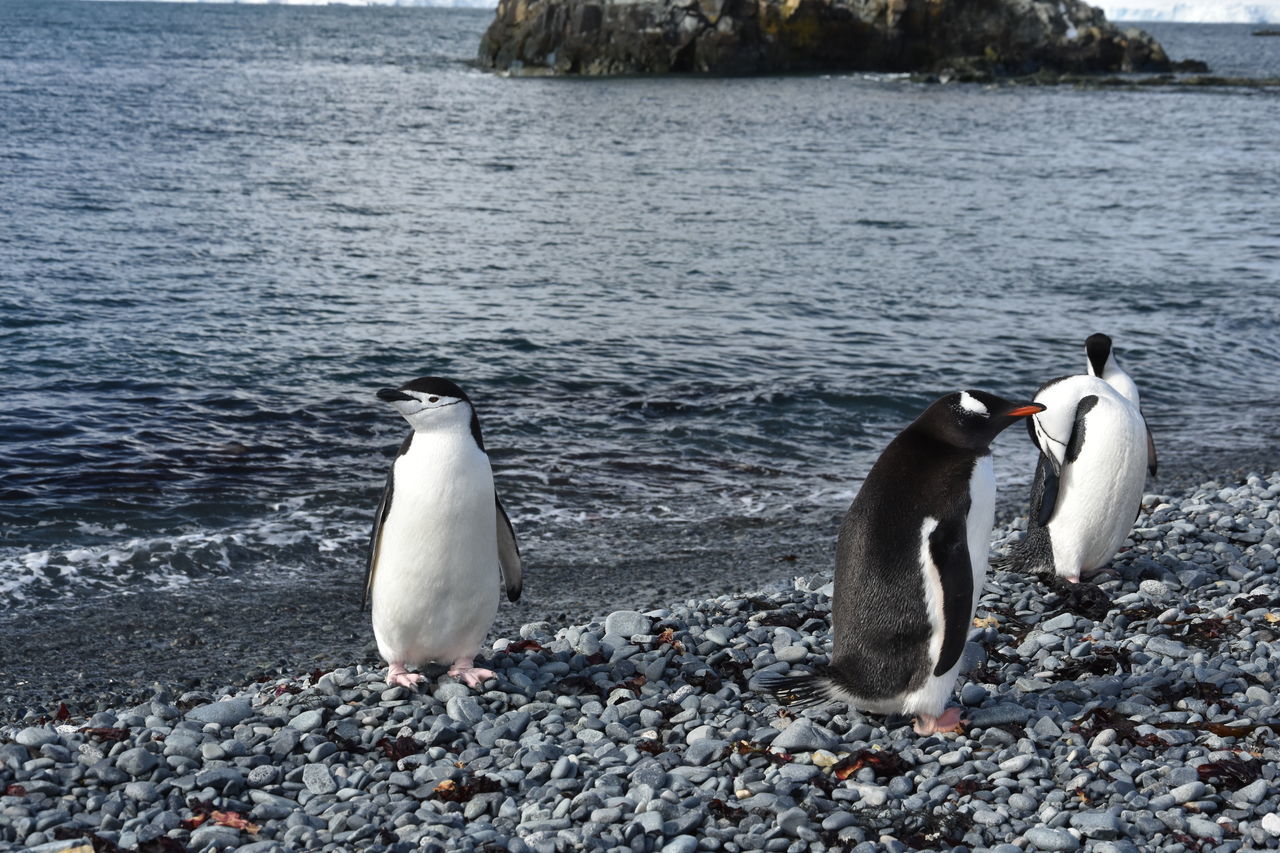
(799, 690)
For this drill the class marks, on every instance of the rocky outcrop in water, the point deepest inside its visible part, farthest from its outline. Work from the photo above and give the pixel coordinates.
(973, 37)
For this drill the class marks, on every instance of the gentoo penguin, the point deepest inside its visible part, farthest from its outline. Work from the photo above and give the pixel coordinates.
(1102, 364)
(439, 538)
(911, 560)
(1088, 484)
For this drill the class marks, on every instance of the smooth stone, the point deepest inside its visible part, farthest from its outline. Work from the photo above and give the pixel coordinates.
(228, 712)
(465, 709)
(804, 735)
(137, 761)
(1016, 764)
(1188, 792)
(718, 635)
(1253, 793)
(1045, 838)
(142, 791)
(973, 694)
(1061, 622)
(1202, 828)
(1099, 825)
(36, 736)
(211, 835)
(627, 623)
(1166, 647)
(703, 752)
(681, 844)
(307, 721)
(224, 779)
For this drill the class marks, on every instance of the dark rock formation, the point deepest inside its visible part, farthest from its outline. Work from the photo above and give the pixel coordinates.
(972, 39)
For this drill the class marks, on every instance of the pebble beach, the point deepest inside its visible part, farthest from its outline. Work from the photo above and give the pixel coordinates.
(1136, 712)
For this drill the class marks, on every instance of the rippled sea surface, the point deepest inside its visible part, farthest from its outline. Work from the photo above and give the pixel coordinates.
(698, 301)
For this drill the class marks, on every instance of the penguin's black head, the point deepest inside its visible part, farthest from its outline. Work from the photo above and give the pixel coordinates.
(431, 402)
(1098, 347)
(424, 387)
(972, 419)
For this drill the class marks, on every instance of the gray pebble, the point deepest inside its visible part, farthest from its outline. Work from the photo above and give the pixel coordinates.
(307, 721)
(1046, 838)
(1061, 622)
(627, 623)
(1099, 825)
(318, 779)
(681, 844)
(803, 735)
(705, 751)
(211, 836)
(36, 736)
(1188, 792)
(137, 761)
(465, 710)
(1154, 588)
(1202, 828)
(226, 713)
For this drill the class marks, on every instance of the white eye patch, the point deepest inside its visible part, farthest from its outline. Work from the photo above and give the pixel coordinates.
(432, 400)
(972, 404)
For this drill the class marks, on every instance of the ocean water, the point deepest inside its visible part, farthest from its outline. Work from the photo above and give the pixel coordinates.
(693, 304)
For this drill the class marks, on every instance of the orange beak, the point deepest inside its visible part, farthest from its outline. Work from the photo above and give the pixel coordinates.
(1023, 411)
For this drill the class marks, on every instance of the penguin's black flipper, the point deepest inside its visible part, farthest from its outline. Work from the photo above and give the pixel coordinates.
(1044, 491)
(375, 537)
(1151, 452)
(949, 548)
(1076, 443)
(508, 554)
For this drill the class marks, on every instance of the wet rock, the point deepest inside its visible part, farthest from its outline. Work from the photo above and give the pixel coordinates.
(955, 38)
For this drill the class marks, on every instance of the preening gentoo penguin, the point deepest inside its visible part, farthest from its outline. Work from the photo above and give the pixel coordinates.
(911, 560)
(439, 539)
(1102, 363)
(1089, 479)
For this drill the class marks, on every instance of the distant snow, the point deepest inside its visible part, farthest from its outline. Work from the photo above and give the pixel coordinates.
(1202, 12)
(1210, 12)
(456, 4)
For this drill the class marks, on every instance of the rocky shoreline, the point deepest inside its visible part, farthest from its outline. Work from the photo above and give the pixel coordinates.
(1137, 713)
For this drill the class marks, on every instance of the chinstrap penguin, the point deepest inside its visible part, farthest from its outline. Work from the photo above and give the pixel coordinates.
(911, 560)
(1089, 478)
(440, 538)
(1101, 359)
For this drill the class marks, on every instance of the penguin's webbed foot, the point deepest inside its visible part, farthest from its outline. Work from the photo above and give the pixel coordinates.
(948, 721)
(398, 676)
(472, 676)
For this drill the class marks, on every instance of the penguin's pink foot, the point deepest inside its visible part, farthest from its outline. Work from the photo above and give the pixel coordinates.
(948, 721)
(472, 676)
(398, 676)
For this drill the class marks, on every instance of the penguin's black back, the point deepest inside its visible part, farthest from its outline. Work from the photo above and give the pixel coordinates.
(879, 614)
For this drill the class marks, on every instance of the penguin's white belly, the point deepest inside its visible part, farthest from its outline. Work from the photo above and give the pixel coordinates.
(931, 697)
(1100, 491)
(435, 586)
